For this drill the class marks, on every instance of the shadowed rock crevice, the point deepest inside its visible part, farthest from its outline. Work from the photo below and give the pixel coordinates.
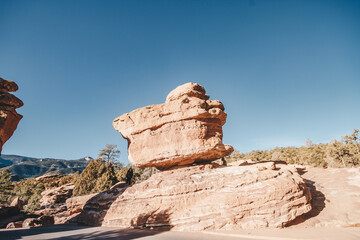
(93, 208)
(317, 201)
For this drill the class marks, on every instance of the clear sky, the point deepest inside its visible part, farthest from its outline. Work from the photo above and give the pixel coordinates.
(285, 70)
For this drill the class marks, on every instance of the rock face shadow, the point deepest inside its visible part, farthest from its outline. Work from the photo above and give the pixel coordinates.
(317, 201)
(159, 221)
(96, 207)
(76, 232)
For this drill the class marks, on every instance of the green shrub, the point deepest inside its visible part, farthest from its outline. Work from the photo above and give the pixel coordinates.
(344, 153)
(98, 176)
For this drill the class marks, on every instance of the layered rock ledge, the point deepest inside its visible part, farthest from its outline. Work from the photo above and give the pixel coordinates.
(187, 128)
(208, 197)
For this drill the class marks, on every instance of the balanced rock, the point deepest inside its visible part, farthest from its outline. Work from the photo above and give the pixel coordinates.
(187, 128)
(208, 197)
(9, 118)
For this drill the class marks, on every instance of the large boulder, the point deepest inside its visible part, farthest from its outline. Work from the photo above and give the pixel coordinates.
(210, 197)
(9, 118)
(187, 128)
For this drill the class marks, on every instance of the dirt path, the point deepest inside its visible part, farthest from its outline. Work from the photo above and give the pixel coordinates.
(336, 197)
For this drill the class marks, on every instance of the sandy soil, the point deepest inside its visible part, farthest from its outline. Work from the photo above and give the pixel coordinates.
(336, 197)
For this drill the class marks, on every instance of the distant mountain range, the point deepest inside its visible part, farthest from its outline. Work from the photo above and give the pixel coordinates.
(25, 167)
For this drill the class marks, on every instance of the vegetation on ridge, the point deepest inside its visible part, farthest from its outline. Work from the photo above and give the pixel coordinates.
(337, 153)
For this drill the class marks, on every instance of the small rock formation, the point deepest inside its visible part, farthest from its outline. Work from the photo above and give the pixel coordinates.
(208, 197)
(9, 214)
(187, 128)
(9, 118)
(53, 203)
(56, 196)
(76, 204)
(50, 177)
(38, 222)
(17, 203)
(17, 224)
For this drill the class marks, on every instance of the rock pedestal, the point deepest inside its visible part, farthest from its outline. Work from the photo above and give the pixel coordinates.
(9, 118)
(207, 197)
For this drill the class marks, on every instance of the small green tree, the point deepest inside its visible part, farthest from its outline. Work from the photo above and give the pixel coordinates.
(110, 153)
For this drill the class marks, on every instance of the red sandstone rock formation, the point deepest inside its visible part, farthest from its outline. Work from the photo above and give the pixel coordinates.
(56, 196)
(207, 197)
(95, 206)
(186, 128)
(9, 118)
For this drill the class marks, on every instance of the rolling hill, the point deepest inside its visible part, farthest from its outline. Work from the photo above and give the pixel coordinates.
(25, 167)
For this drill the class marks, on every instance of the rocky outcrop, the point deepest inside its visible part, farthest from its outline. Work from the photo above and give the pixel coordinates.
(9, 214)
(76, 204)
(38, 222)
(9, 118)
(95, 206)
(56, 196)
(53, 203)
(17, 203)
(187, 128)
(17, 224)
(207, 197)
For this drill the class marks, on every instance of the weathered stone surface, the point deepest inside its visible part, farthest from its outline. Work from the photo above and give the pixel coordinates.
(76, 204)
(206, 197)
(187, 128)
(37, 222)
(56, 195)
(9, 118)
(49, 176)
(7, 85)
(17, 203)
(17, 224)
(96, 205)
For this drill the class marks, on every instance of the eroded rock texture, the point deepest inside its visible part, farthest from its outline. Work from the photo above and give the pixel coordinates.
(94, 207)
(9, 118)
(186, 128)
(207, 197)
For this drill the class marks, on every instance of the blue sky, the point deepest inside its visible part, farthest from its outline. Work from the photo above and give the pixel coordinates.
(285, 70)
